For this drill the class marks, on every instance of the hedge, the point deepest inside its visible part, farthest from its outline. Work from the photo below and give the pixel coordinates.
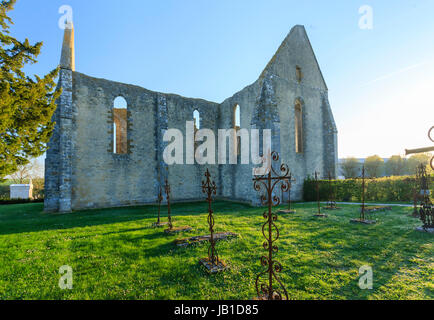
(379, 189)
(4, 191)
(20, 201)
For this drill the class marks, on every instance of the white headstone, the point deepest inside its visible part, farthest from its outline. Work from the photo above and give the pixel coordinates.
(21, 191)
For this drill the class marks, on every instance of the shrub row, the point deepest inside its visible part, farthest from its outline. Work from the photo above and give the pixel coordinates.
(20, 201)
(380, 189)
(4, 191)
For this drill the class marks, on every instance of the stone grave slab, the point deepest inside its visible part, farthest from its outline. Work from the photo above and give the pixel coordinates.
(332, 208)
(205, 238)
(321, 215)
(370, 209)
(286, 211)
(213, 268)
(159, 225)
(178, 230)
(363, 221)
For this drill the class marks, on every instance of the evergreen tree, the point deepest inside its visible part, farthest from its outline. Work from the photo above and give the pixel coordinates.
(26, 104)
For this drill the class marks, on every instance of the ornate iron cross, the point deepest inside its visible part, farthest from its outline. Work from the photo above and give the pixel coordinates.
(160, 199)
(167, 189)
(209, 188)
(426, 210)
(363, 178)
(423, 150)
(317, 191)
(290, 181)
(331, 204)
(415, 185)
(362, 212)
(270, 231)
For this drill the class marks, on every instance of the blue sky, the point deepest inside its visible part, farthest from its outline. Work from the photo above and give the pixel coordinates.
(381, 81)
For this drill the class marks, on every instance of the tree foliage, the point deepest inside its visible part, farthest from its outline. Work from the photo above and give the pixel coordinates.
(350, 167)
(417, 159)
(26, 104)
(32, 170)
(381, 190)
(395, 166)
(374, 166)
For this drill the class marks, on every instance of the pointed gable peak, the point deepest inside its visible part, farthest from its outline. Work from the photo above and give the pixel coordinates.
(294, 53)
(299, 29)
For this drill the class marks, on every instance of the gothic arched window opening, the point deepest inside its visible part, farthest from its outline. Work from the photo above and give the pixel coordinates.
(298, 126)
(120, 126)
(237, 127)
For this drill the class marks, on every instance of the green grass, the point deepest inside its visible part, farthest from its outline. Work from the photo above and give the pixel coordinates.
(115, 254)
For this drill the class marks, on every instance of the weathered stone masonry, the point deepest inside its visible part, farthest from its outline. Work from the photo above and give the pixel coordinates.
(83, 172)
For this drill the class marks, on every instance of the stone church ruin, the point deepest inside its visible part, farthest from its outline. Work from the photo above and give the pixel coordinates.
(107, 146)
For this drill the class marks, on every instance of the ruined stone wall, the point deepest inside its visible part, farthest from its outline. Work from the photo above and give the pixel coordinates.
(101, 178)
(237, 180)
(319, 129)
(186, 179)
(58, 163)
(83, 172)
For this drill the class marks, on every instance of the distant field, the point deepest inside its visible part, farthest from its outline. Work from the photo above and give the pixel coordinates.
(115, 254)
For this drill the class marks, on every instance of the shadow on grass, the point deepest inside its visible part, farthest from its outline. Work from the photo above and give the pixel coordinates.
(389, 260)
(125, 231)
(26, 218)
(384, 246)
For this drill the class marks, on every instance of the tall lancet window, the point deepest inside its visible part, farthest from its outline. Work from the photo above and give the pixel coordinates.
(196, 118)
(298, 74)
(120, 126)
(298, 126)
(237, 127)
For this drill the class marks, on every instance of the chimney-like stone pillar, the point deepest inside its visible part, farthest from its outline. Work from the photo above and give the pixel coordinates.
(67, 60)
(58, 164)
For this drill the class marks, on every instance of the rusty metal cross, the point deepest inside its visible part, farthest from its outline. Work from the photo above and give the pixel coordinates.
(290, 181)
(363, 178)
(209, 188)
(317, 191)
(167, 189)
(423, 150)
(331, 204)
(160, 199)
(266, 183)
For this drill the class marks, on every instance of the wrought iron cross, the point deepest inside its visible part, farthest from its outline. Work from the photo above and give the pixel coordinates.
(290, 181)
(160, 199)
(423, 150)
(167, 189)
(332, 193)
(363, 177)
(317, 191)
(415, 186)
(362, 212)
(426, 210)
(209, 188)
(270, 231)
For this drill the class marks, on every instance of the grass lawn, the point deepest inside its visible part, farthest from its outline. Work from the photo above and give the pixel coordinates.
(116, 254)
